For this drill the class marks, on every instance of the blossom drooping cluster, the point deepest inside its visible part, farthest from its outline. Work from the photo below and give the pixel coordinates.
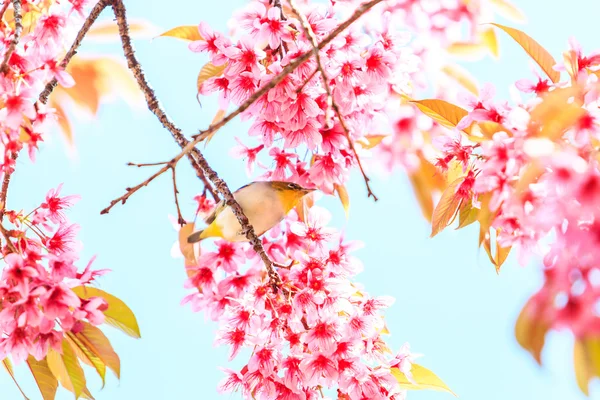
(37, 302)
(362, 69)
(320, 330)
(535, 167)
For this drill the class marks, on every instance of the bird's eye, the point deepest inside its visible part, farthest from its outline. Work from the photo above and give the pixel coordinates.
(294, 186)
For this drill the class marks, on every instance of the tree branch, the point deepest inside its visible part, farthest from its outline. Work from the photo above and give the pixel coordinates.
(308, 32)
(17, 35)
(6, 235)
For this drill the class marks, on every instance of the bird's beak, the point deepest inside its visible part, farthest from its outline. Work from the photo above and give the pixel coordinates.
(307, 191)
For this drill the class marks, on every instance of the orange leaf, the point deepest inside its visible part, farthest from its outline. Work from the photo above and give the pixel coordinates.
(117, 314)
(535, 51)
(43, 377)
(446, 209)
(425, 180)
(463, 77)
(62, 120)
(444, 113)
(187, 249)
(530, 331)
(98, 343)
(558, 112)
(489, 40)
(108, 30)
(344, 197)
(501, 254)
(303, 206)
(86, 92)
(370, 141)
(508, 11)
(186, 32)
(208, 71)
(571, 62)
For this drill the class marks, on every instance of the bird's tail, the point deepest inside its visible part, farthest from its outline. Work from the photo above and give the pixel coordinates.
(195, 237)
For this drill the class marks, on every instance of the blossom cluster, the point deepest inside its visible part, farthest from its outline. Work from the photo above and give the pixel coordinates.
(37, 303)
(320, 330)
(295, 119)
(539, 173)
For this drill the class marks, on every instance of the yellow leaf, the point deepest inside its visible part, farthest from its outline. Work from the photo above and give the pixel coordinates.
(67, 369)
(186, 32)
(508, 11)
(344, 197)
(488, 38)
(461, 76)
(187, 249)
(117, 314)
(571, 62)
(501, 254)
(8, 366)
(559, 111)
(446, 209)
(208, 71)
(87, 356)
(424, 380)
(444, 113)
(98, 343)
(489, 128)
(583, 372)
(303, 206)
(467, 51)
(467, 215)
(530, 331)
(43, 377)
(371, 141)
(218, 117)
(535, 51)
(108, 30)
(455, 171)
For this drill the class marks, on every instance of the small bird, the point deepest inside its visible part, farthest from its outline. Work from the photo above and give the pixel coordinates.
(264, 203)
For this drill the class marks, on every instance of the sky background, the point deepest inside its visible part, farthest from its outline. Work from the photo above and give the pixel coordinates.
(450, 304)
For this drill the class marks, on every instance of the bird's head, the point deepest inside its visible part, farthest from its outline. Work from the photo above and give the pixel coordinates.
(289, 193)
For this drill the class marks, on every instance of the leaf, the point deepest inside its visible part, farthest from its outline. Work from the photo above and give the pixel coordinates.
(583, 373)
(62, 120)
(530, 331)
(535, 51)
(108, 30)
(455, 171)
(187, 249)
(508, 11)
(208, 71)
(371, 141)
(425, 180)
(424, 380)
(185, 32)
(571, 62)
(467, 51)
(467, 215)
(489, 40)
(87, 356)
(8, 366)
(444, 113)
(117, 314)
(66, 369)
(559, 111)
(501, 254)
(43, 377)
(344, 197)
(98, 343)
(218, 116)
(446, 209)
(303, 206)
(463, 77)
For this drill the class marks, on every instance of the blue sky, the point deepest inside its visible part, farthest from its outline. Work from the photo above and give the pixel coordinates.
(451, 305)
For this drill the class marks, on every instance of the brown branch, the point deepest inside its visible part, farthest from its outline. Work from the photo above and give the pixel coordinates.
(16, 36)
(180, 218)
(4, 190)
(154, 164)
(308, 32)
(4, 8)
(94, 14)
(6, 235)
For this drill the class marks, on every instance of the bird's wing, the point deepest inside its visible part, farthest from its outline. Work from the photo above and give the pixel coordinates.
(218, 208)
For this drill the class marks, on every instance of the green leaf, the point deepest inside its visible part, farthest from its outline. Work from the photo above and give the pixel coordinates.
(43, 377)
(117, 314)
(424, 380)
(8, 366)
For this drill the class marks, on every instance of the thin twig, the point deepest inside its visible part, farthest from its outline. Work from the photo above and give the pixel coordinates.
(16, 36)
(176, 193)
(4, 8)
(130, 164)
(4, 190)
(308, 32)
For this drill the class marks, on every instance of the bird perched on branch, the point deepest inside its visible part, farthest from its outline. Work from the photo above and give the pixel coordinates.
(264, 203)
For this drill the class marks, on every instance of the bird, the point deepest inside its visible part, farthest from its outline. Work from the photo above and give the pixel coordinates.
(265, 203)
